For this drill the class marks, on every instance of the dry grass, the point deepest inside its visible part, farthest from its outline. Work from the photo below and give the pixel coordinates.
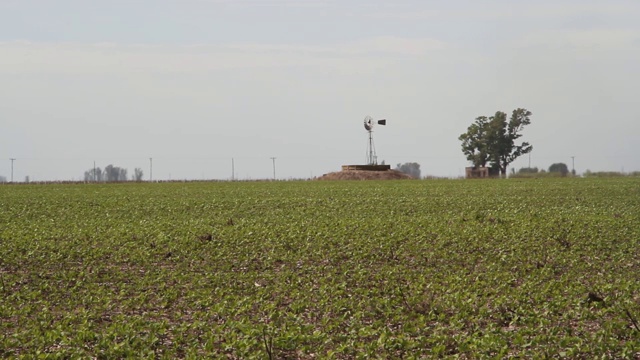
(365, 175)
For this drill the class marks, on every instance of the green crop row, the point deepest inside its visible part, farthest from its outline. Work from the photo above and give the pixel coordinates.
(533, 268)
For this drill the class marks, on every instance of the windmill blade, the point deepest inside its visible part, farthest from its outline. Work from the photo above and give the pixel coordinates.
(368, 123)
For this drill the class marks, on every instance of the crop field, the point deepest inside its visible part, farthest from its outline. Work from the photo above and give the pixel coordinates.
(529, 268)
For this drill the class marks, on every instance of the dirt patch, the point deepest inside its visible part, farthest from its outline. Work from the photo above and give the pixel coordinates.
(365, 175)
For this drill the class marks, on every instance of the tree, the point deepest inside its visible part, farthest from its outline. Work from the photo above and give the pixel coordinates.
(110, 173)
(93, 175)
(473, 143)
(559, 168)
(493, 139)
(137, 174)
(412, 169)
(114, 173)
(508, 133)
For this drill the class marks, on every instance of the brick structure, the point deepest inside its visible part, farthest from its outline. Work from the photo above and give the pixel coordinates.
(366, 167)
(477, 172)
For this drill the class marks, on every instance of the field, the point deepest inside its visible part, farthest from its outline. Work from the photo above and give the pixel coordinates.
(530, 268)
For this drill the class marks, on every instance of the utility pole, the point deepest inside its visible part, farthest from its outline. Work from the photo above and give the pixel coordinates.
(274, 168)
(233, 169)
(529, 159)
(150, 169)
(12, 160)
(95, 176)
(573, 165)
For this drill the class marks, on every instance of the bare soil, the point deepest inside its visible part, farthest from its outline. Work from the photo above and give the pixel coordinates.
(365, 175)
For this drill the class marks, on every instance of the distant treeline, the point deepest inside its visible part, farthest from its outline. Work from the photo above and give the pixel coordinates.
(561, 170)
(111, 174)
(589, 173)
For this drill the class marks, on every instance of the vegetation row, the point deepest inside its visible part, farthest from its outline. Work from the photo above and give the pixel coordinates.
(542, 268)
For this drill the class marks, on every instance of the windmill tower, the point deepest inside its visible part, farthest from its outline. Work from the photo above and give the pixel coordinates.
(372, 158)
(369, 123)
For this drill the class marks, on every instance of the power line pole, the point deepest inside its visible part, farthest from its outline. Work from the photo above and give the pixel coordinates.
(233, 169)
(95, 176)
(12, 160)
(274, 167)
(150, 169)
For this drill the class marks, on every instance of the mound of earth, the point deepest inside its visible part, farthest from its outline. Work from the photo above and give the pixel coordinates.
(365, 175)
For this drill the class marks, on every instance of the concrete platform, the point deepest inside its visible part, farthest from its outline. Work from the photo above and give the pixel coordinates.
(366, 167)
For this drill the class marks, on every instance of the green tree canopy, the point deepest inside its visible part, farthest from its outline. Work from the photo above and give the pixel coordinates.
(493, 139)
(473, 144)
(559, 168)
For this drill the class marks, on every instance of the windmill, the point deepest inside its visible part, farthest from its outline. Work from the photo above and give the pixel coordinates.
(369, 124)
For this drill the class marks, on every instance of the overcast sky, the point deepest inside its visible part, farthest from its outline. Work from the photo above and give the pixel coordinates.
(195, 83)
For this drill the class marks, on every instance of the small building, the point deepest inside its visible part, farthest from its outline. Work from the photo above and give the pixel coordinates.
(473, 172)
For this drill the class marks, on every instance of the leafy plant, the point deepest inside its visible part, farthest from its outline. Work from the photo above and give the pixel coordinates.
(522, 268)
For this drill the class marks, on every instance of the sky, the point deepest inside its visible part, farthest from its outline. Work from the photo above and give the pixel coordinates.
(207, 87)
